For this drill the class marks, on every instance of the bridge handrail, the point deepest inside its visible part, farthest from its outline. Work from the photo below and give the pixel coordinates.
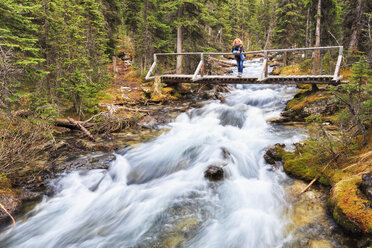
(264, 73)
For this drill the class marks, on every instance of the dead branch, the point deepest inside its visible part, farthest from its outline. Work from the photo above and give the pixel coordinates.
(6, 211)
(91, 118)
(81, 127)
(21, 113)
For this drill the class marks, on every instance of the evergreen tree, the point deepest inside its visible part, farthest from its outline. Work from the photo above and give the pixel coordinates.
(75, 48)
(19, 53)
(289, 31)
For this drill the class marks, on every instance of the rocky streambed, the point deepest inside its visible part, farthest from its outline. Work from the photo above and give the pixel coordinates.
(157, 193)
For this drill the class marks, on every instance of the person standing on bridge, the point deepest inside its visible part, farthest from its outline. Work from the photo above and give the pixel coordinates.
(238, 49)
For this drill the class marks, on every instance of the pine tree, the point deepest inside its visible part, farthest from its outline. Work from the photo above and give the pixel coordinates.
(75, 45)
(18, 47)
(289, 31)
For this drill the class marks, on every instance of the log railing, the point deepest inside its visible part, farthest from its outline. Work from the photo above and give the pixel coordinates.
(198, 74)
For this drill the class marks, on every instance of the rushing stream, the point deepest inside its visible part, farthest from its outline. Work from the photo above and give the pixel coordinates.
(155, 194)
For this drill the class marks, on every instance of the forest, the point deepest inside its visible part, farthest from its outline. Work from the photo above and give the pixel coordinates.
(58, 51)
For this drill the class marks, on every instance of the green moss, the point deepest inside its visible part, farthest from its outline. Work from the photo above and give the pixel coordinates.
(5, 184)
(349, 206)
(173, 242)
(302, 164)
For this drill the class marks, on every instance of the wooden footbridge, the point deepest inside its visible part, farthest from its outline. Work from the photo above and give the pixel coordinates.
(263, 78)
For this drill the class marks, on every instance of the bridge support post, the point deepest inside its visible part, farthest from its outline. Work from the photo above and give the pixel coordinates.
(199, 68)
(264, 72)
(265, 64)
(202, 67)
(314, 88)
(155, 62)
(336, 76)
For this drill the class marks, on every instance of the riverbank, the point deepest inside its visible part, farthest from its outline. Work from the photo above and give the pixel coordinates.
(345, 168)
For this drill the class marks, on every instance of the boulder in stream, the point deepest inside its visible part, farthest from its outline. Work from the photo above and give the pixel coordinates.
(214, 173)
(271, 155)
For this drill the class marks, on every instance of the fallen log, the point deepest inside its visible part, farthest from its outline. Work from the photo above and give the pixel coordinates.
(81, 127)
(67, 124)
(22, 113)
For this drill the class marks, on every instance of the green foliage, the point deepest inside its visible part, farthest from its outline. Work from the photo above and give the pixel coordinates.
(19, 53)
(289, 31)
(59, 49)
(356, 97)
(76, 58)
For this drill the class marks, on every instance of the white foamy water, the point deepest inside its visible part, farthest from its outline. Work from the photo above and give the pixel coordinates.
(148, 194)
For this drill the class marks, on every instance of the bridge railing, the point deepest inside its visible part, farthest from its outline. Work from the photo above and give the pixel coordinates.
(199, 72)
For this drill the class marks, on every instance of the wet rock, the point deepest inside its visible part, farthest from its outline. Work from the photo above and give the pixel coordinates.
(214, 173)
(225, 153)
(271, 156)
(27, 195)
(12, 203)
(366, 185)
(90, 162)
(8, 199)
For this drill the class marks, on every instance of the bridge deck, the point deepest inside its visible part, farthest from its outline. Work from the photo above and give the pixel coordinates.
(263, 78)
(229, 79)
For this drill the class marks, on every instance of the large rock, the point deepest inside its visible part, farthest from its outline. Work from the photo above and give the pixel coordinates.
(309, 103)
(366, 185)
(349, 207)
(214, 173)
(271, 156)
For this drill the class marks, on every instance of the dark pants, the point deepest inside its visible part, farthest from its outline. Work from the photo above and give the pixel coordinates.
(240, 64)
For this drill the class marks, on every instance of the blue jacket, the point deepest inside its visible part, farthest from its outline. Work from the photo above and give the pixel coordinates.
(235, 49)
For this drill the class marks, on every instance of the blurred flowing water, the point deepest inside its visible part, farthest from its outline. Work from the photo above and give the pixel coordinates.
(155, 195)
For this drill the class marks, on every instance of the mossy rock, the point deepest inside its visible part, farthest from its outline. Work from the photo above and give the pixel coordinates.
(302, 165)
(350, 208)
(304, 98)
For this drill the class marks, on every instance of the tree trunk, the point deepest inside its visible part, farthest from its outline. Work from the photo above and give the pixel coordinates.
(46, 49)
(268, 34)
(285, 58)
(307, 28)
(179, 44)
(317, 40)
(356, 28)
(114, 64)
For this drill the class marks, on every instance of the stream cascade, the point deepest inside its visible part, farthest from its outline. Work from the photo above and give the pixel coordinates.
(155, 194)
